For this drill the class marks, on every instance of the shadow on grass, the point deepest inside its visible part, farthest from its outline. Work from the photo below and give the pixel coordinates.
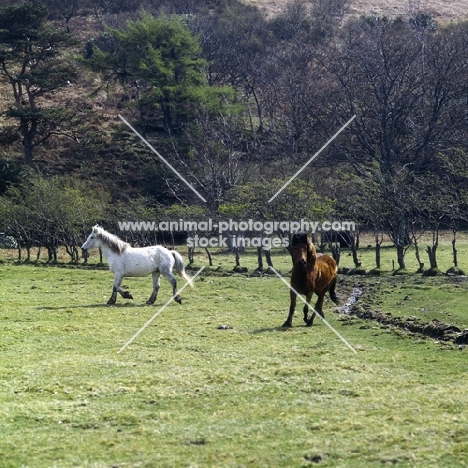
(269, 330)
(96, 306)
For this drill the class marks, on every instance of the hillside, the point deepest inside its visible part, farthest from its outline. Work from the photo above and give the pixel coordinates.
(443, 11)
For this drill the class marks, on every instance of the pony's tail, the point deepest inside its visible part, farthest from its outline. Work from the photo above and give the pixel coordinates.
(180, 268)
(332, 292)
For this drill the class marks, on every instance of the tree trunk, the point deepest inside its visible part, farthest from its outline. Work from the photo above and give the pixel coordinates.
(336, 252)
(322, 243)
(454, 250)
(210, 259)
(70, 252)
(268, 257)
(28, 135)
(432, 251)
(401, 256)
(85, 256)
(259, 258)
(402, 239)
(354, 248)
(377, 255)
(236, 250)
(418, 256)
(172, 240)
(28, 251)
(378, 244)
(190, 253)
(49, 253)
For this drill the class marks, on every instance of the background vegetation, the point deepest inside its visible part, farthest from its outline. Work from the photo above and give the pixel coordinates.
(236, 100)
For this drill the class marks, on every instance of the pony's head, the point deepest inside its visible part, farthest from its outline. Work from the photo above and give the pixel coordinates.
(303, 250)
(93, 241)
(99, 237)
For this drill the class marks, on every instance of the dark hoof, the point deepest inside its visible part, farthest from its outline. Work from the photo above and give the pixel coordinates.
(310, 322)
(149, 302)
(127, 295)
(111, 302)
(286, 325)
(178, 299)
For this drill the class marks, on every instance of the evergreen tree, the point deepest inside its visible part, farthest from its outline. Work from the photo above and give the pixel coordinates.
(158, 62)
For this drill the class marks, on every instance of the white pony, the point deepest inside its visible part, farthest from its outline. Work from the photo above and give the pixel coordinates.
(125, 260)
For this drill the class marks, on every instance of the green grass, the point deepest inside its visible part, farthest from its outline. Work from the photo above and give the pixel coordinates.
(187, 394)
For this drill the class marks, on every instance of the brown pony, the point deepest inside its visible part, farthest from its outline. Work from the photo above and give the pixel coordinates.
(312, 273)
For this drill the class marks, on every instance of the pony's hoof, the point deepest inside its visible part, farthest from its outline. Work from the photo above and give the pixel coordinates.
(178, 300)
(149, 302)
(110, 302)
(286, 325)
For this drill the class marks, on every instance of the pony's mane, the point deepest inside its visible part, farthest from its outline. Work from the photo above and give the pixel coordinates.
(115, 244)
(300, 238)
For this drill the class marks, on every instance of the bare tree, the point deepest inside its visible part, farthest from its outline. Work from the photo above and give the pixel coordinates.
(406, 89)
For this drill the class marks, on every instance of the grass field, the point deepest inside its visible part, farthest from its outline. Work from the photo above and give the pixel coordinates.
(188, 394)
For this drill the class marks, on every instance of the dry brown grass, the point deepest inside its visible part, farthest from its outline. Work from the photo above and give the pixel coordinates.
(442, 10)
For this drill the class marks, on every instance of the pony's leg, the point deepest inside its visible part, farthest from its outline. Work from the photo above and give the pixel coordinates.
(173, 281)
(306, 307)
(117, 289)
(113, 297)
(156, 282)
(332, 292)
(318, 308)
(292, 306)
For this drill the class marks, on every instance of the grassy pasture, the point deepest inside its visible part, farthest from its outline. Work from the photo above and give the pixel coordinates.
(187, 394)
